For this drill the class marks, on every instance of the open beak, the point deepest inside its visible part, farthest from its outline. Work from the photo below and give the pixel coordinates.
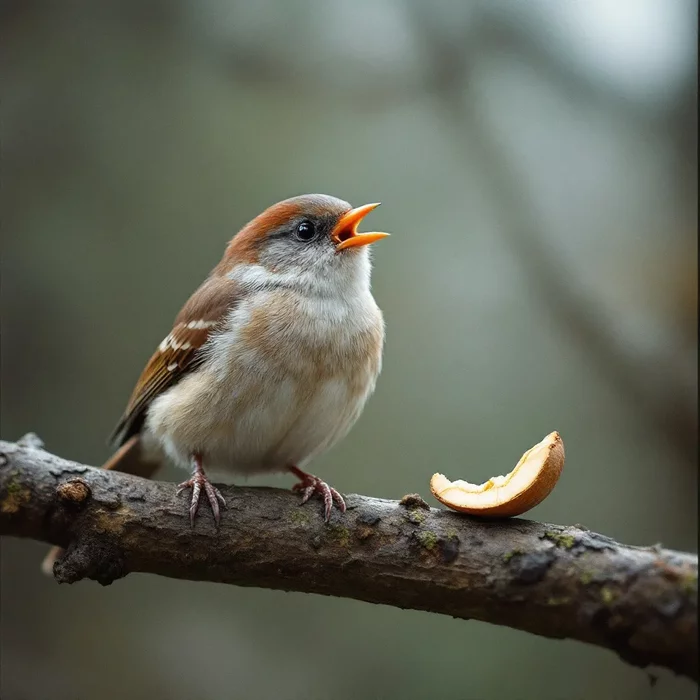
(345, 233)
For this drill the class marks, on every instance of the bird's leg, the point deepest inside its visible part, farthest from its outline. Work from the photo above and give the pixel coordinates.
(198, 481)
(310, 484)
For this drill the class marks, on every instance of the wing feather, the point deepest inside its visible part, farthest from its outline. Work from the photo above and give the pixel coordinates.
(180, 352)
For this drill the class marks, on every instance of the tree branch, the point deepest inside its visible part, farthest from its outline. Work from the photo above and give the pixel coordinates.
(561, 582)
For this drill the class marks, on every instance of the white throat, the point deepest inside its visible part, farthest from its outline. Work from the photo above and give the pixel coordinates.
(345, 278)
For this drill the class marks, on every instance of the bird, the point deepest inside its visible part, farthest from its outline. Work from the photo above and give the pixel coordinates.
(271, 360)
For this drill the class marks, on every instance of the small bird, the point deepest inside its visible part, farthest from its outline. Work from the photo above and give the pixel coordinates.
(270, 361)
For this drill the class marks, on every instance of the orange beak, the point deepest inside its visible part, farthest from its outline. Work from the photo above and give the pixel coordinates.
(345, 233)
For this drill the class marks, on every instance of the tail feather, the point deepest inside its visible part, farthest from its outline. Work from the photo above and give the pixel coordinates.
(129, 427)
(130, 459)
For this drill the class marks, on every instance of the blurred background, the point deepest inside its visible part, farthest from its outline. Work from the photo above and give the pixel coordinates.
(537, 166)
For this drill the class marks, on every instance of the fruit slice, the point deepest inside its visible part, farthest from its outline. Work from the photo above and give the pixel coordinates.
(530, 482)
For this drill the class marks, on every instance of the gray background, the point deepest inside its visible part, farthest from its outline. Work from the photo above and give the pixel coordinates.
(536, 164)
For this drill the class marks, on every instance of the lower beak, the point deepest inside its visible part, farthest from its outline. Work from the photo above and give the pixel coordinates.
(345, 233)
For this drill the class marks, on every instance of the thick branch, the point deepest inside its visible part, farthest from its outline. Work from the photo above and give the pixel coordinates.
(546, 579)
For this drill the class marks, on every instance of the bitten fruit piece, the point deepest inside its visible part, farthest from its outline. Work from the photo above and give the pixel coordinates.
(531, 481)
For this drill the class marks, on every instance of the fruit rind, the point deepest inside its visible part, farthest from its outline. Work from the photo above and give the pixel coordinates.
(531, 480)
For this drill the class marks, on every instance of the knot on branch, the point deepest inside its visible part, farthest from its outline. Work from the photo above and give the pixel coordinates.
(93, 558)
(74, 492)
(414, 500)
(31, 440)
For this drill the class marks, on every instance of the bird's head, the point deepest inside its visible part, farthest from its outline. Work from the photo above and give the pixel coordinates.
(307, 240)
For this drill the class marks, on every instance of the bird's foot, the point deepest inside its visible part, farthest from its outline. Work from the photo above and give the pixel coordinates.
(310, 484)
(198, 482)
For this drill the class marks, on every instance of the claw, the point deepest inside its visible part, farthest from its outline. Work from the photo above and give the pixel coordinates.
(310, 484)
(198, 481)
(308, 492)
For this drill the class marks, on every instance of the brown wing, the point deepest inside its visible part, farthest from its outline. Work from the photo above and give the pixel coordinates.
(180, 351)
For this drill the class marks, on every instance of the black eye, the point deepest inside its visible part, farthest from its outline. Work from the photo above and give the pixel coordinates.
(305, 231)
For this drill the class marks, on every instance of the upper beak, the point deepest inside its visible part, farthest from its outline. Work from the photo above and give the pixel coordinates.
(345, 233)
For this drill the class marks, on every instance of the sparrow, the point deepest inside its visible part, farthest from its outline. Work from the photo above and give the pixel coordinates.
(271, 360)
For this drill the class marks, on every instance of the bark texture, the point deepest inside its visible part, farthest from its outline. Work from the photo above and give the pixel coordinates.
(550, 580)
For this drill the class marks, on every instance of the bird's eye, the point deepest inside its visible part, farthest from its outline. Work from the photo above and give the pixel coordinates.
(305, 231)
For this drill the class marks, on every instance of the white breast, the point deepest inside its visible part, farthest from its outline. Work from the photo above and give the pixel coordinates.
(285, 380)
